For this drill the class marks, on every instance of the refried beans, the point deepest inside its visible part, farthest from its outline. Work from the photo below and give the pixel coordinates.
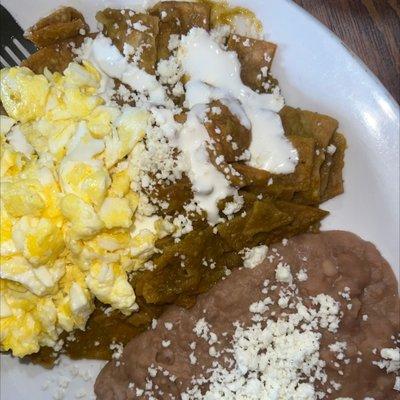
(176, 357)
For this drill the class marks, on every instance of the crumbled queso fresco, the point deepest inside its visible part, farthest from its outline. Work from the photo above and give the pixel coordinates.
(80, 213)
(78, 167)
(271, 359)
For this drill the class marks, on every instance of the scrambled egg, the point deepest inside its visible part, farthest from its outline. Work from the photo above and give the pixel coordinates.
(70, 226)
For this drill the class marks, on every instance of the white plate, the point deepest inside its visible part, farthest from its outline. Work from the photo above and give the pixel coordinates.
(317, 72)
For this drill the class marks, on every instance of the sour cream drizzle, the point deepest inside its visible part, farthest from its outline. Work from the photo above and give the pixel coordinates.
(204, 61)
(209, 185)
(111, 62)
(214, 74)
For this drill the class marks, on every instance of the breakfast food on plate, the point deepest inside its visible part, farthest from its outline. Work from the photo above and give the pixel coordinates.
(318, 306)
(140, 165)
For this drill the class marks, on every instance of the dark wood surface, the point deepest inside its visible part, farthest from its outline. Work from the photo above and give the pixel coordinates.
(370, 28)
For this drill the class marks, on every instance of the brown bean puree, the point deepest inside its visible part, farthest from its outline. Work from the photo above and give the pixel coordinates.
(335, 263)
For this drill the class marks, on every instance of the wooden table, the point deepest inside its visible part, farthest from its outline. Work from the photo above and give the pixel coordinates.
(370, 28)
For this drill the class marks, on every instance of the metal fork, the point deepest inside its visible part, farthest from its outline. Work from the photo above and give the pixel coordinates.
(14, 47)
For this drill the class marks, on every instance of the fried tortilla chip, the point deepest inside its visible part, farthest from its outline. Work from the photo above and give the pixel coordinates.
(334, 185)
(175, 194)
(117, 328)
(229, 139)
(133, 34)
(319, 127)
(262, 218)
(303, 216)
(282, 186)
(256, 57)
(266, 221)
(325, 171)
(177, 18)
(310, 124)
(63, 24)
(229, 136)
(2, 109)
(55, 57)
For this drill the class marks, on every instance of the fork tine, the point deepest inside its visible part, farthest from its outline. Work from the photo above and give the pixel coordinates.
(21, 48)
(4, 63)
(12, 46)
(12, 55)
(4, 55)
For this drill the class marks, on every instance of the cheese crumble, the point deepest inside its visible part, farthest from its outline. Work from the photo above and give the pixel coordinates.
(274, 359)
